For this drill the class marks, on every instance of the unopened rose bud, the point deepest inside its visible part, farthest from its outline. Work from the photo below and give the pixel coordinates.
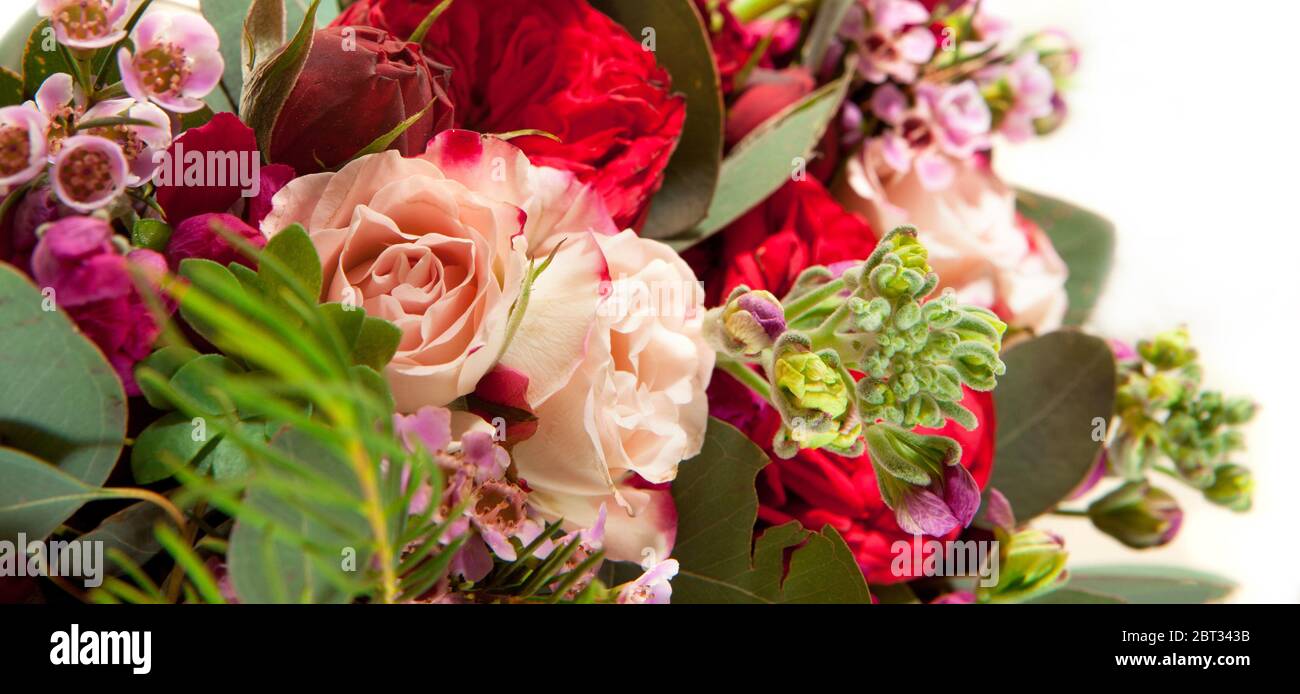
(1030, 563)
(1137, 515)
(1233, 487)
(749, 323)
(358, 84)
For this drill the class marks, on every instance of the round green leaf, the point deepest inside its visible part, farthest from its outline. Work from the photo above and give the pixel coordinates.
(1055, 387)
(62, 403)
(1085, 241)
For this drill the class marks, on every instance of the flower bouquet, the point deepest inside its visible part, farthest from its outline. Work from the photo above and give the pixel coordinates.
(568, 301)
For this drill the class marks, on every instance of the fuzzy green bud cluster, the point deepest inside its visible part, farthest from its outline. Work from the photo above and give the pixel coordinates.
(1165, 415)
(916, 354)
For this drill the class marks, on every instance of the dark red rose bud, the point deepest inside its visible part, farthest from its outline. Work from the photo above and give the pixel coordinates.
(358, 84)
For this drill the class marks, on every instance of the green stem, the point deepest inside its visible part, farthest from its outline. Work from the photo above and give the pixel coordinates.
(741, 372)
(795, 309)
(1069, 512)
(749, 10)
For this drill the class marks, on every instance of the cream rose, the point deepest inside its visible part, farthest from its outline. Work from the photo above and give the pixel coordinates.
(633, 407)
(437, 244)
(977, 242)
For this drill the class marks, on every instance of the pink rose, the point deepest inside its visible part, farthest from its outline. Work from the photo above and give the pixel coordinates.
(618, 422)
(438, 244)
(978, 243)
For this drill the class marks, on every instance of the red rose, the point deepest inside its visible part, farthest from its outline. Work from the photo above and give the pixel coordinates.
(818, 488)
(797, 226)
(225, 134)
(558, 66)
(355, 87)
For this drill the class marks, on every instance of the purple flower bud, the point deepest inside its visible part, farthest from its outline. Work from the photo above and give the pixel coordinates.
(198, 237)
(92, 283)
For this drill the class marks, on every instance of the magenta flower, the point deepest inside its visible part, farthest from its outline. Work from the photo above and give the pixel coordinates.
(198, 237)
(85, 24)
(62, 102)
(176, 61)
(89, 172)
(92, 283)
(22, 145)
(892, 39)
(139, 143)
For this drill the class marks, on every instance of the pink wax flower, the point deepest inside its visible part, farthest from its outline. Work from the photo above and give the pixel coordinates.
(85, 24)
(22, 145)
(139, 143)
(945, 123)
(62, 102)
(1031, 90)
(892, 39)
(89, 171)
(176, 61)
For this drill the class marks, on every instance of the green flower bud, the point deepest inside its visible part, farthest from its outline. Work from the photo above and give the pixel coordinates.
(1168, 350)
(812, 384)
(1137, 515)
(1233, 487)
(1031, 562)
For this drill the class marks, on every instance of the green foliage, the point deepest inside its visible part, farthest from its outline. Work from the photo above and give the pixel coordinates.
(1163, 414)
(39, 63)
(716, 511)
(1085, 241)
(681, 47)
(272, 80)
(1150, 584)
(766, 159)
(11, 88)
(63, 405)
(1056, 387)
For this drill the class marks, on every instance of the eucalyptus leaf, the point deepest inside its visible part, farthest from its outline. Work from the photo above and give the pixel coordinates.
(166, 361)
(717, 508)
(1070, 595)
(35, 498)
(1151, 584)
(1055, 388)
(682, 47)
(129, 531)
(1084, 240)
(63, 403)
(766, 159)
(287, 559)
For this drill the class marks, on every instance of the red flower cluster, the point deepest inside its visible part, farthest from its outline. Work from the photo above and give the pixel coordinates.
(558, 66)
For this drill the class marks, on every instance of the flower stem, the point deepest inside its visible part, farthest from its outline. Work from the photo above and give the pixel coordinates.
(1069, 512)
(795, 309)
(741, 372)
(749, 10)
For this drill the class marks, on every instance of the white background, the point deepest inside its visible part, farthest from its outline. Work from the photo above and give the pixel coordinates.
(1184, 132)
